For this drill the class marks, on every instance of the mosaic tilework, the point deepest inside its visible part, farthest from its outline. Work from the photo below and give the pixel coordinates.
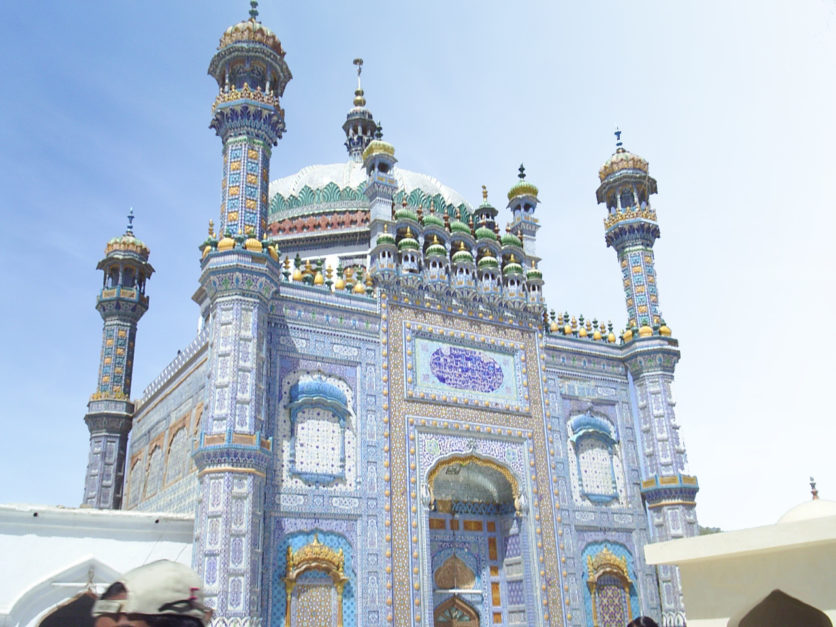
(312, 604)
(244, 196)
(406, 418)
(620, 551)
(640, 292)
(467, 368)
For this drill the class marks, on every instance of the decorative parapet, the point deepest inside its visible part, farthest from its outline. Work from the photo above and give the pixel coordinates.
(622, 216)
(675, 489)
(245, 93)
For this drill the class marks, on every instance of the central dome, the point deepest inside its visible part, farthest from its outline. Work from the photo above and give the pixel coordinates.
(331, 197)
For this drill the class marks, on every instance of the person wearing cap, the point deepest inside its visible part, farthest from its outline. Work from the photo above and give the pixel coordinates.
(159, 594)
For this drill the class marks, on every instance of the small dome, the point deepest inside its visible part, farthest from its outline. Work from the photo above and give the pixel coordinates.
(436, 249)
(509, 239)
(226, 243)
(457, 226)
(483, 232)
(645, 331)
(378, 147)
(488, 261)
(512, 267)
(522, 188)
(385, 239)
(127, 243)
(815, 508)
(462, 255)
(251, 31)
(408, 242)
(432, 219)
(622, 160)
(534, 274)
(405, 213)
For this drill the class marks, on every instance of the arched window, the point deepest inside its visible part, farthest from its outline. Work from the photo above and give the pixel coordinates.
(609, 586)
(318, 414)
(314, 585)
(455, 612)
(595, 465)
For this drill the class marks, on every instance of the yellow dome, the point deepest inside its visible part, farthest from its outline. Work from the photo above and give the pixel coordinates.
(273, 252)
(628, 335)
(249, 31)
(567, 330)
(252, 244)
(622, 160)
(359, 288)
(226, 243)
(596, 335)
(378, 146)
(297, 274)
(339, 284)
(554, 327)
(611, 338)
(645, 331)
(665, 330)
(318, 279)
(582, 332)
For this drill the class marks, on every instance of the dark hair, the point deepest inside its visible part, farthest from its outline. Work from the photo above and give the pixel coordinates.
(642, 621)
(172, 621)
(113, 590)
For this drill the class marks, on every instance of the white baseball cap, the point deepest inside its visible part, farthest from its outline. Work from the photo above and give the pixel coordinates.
(159, 588)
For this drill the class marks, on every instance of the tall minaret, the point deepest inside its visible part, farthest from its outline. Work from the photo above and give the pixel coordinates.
(251, 73)
(240, 276)
(359, 125)
(121, 302)
(651, 355)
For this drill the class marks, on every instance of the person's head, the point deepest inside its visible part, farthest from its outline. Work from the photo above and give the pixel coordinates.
(642, 621)
(159, 594)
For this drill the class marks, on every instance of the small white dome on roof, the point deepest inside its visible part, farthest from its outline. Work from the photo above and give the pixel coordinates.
(816, 508)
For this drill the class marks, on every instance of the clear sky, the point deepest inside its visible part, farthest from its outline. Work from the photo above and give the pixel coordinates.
(106, 105)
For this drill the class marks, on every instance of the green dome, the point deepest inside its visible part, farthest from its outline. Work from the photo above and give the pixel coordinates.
(457, 226)
(512, 267)
(436, 250)
(405, 213)
(509, 239)
(483, 232)
(534, 274)
(432, 219)
(488, 261)
(462, 256)
(408, 242)
(385, 239)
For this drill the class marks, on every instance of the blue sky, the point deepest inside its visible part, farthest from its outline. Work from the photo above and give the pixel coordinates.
(106, 105)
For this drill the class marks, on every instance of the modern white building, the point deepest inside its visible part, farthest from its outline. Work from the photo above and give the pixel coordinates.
(781, 574)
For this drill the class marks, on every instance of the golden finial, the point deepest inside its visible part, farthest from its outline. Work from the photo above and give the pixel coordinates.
(408, 232)
(287, 262)
(461, 246)
(385, 227)
(432, 206)
(403, 203)
(211, 227)
(484, 193)
(512, 260)
(435, 239)
(329, 272)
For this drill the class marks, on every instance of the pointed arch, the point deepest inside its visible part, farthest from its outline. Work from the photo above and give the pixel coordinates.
(455, 612)
(778, 609)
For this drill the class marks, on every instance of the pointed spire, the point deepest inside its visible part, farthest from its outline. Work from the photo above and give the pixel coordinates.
(130, 228)
(521, 175)
(254, 10)
(813, 489)
(618, 143)
(378, 131)
(484, 194)
(359, 100)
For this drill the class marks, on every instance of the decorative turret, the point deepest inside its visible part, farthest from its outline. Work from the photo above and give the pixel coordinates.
(379, 161)
(121, 303)
(523, 201)
(359, 125)
(436, 268)
(485, 214)
(251, 72)
(631, 229)
(384, 256)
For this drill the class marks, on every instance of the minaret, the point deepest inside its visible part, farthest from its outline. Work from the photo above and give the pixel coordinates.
(121, 303)
(251, 73)
(240, 276)
(379, 162)
(523, 201)
(631, 229)
(669, 493)
(359, 125)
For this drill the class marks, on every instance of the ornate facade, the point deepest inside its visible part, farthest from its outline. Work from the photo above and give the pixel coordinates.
(379, 421)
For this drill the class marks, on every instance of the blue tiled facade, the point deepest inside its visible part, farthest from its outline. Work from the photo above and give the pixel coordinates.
(380, 421)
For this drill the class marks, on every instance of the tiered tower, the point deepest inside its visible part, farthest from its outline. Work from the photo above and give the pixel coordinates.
(121, 303)
(359, 125)
(651, 355)
(240, 275)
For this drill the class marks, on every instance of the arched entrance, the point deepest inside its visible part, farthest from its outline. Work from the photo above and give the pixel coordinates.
(74, 612)
(475, 542)
(779, 609)
(314, 586)
(609, 586)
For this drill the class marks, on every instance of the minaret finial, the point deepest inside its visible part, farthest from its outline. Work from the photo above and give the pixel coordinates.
(378, 132)
(130, 228)
(484, 193)
(521, 175)
(813, 489)
(359, 100)
(618, 143)
(253, 10)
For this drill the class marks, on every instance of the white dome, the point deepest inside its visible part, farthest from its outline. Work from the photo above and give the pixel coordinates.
(816, 508)
(352, 175)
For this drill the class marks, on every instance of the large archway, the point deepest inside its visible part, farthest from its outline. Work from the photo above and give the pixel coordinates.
(475, 542)
(779, 609)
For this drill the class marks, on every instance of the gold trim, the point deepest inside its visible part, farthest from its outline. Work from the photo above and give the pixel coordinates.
(667, 503)
(243, 471)
(464, 460)
(315, 556)
(602, 563)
